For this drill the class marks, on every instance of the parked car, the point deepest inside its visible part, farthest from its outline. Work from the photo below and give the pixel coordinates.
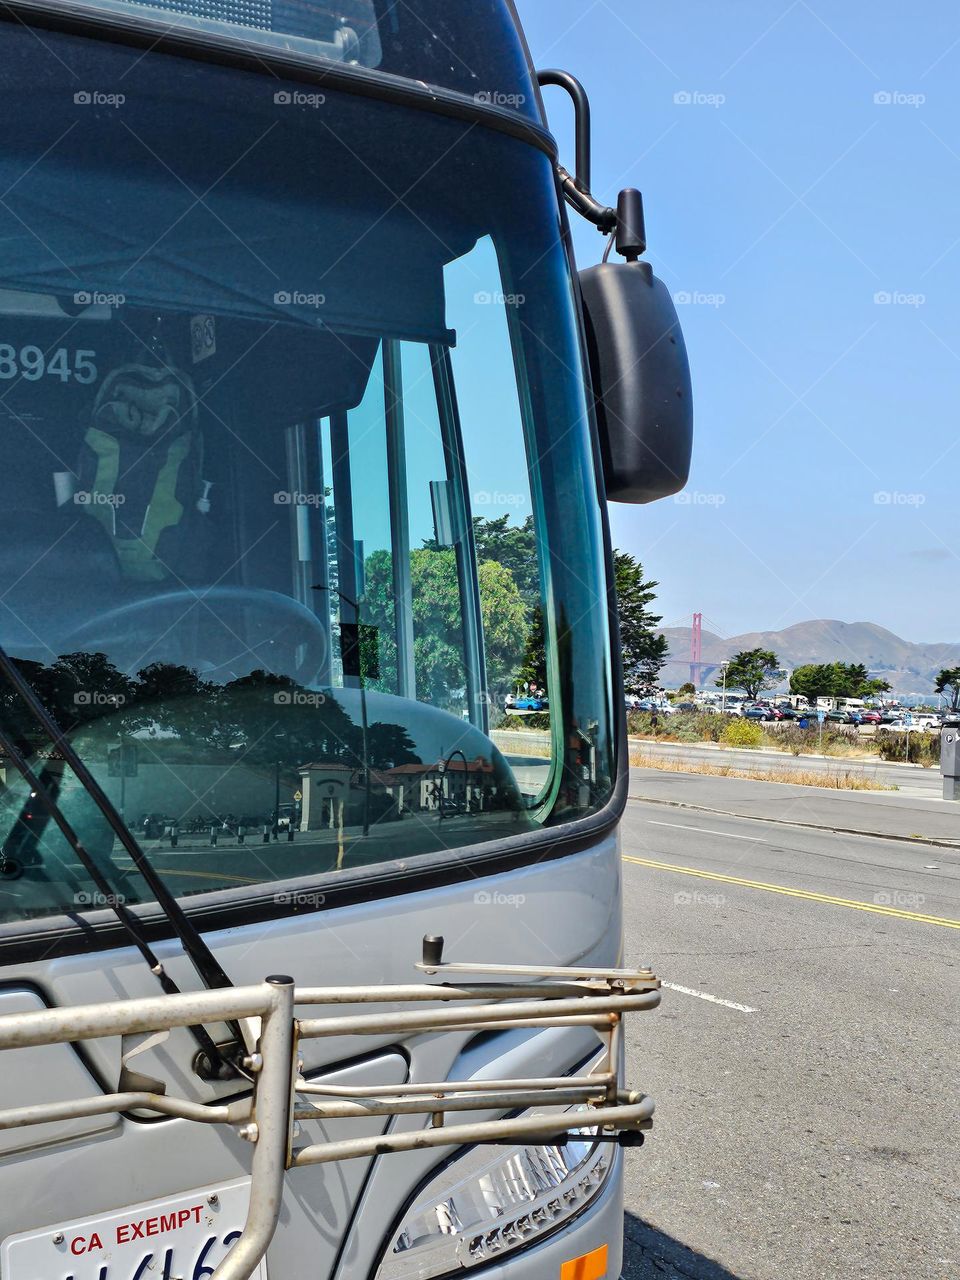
(870, 717)
(758, 713)
(685, 706)
(529, 703)
(951, 720)
(840, 717)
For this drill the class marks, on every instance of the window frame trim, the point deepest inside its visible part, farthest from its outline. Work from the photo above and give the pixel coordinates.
(153, 36)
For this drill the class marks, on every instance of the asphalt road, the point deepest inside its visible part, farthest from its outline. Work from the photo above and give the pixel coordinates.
(807, 1077)
(906, 813)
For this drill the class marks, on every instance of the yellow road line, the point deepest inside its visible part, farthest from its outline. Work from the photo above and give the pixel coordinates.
(206, 875)
(875, 908)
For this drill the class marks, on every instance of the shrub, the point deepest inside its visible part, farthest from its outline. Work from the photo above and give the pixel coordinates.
(710, 725)
(538, 720)
(811, 740)
(639, 723)
(742, 733)
(924, 748)
(684, 728)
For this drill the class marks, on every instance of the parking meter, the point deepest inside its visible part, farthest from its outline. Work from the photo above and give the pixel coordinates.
(950, 762)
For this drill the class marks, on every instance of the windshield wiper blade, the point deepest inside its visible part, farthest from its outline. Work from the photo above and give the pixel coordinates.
(209, 969)
(126, 917)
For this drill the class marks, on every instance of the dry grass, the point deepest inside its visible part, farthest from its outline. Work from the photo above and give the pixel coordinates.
(846, 781)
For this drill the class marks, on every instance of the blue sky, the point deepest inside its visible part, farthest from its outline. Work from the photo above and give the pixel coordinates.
(800, 166)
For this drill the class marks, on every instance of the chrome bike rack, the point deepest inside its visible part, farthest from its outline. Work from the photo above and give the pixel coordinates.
(536, 997)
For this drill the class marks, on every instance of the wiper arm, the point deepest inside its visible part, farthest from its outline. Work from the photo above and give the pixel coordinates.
(204, 961)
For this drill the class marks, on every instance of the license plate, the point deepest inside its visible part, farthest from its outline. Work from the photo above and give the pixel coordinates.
(184, 1237)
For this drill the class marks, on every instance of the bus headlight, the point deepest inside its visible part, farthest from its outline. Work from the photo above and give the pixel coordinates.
(491, 1201)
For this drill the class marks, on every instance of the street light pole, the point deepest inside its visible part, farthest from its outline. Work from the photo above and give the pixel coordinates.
(355, 606)
(276, 800)
(723, 702)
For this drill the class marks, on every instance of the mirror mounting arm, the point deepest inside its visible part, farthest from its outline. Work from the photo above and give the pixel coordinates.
(602, 216)
(577, 189)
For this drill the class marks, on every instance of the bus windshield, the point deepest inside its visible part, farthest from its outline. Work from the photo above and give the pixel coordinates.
(300, 534)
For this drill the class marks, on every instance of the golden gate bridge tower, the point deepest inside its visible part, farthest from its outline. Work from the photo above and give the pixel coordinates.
(696, 650)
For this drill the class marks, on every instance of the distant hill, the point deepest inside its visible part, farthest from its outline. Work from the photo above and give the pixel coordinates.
(909, 668)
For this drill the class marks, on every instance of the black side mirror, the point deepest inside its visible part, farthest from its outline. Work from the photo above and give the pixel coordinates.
(641, 381)
(638, 362)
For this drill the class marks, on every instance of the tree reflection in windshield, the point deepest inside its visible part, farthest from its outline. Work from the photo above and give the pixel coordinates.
(261, 762)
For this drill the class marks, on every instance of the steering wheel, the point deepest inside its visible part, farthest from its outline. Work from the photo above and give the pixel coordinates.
(222, 632)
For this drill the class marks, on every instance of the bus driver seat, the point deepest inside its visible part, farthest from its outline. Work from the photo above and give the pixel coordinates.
(139, 473)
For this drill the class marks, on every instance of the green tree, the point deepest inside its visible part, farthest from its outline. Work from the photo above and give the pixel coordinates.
(872, 688)
(814, 680)
(754, 671)
(438, 623)
(643, 648)
(948, 683)
(534, 667)
(515, 547)
(505, 624)
(835, 680)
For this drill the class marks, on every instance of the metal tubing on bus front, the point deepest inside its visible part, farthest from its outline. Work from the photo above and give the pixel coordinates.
(129, 1017)
(421, 992)
(534, 1012)
(274, 1091)
(444, 1087)
(78, 1108)
(631, 1116)
(506, 1100)
(570, 972)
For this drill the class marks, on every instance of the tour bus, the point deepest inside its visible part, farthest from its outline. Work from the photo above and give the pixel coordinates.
(309, 423)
